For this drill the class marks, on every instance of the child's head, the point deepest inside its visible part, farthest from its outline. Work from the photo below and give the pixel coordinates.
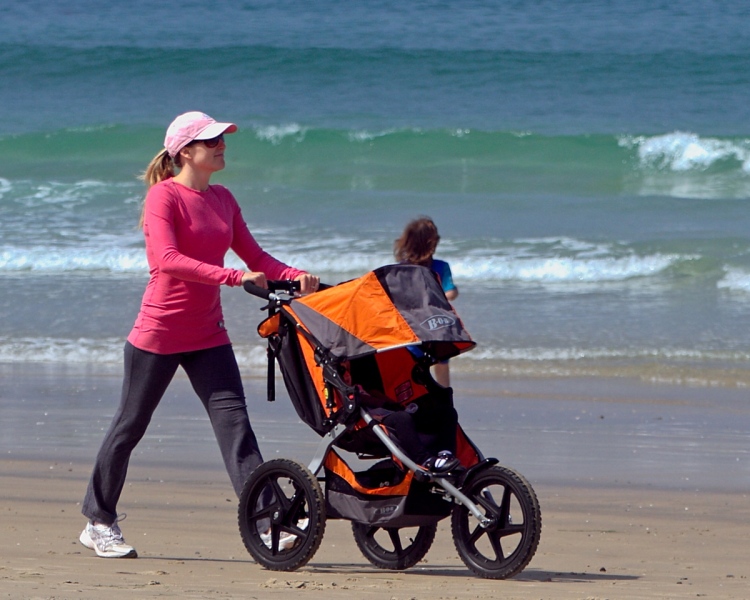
(417, 243)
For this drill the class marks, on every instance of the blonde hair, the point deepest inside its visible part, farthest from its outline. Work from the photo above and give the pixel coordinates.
(417, 243)
(161, 167)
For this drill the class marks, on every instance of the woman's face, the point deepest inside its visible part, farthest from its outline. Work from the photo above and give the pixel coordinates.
(202, 156)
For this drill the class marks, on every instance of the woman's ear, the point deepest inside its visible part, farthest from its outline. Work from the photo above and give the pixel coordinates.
(186, 153)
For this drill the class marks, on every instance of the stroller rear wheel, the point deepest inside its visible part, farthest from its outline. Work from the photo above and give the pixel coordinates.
(504, 548)
(393, 548)
(282, 515)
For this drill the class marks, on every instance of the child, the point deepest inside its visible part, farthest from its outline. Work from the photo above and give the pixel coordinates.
(419, 430)
(417, 246)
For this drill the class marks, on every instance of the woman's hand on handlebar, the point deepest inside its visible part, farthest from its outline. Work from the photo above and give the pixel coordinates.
(256, 278)
(308, 283)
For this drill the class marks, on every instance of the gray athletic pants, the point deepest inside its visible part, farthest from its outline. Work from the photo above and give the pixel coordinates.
(214, 376)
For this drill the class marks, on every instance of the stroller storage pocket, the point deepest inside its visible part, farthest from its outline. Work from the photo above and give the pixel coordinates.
(382, 496)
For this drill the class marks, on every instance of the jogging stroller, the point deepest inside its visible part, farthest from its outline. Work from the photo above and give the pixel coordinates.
(382, 330)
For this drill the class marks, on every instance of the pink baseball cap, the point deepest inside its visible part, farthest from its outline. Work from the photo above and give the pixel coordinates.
(190, 126)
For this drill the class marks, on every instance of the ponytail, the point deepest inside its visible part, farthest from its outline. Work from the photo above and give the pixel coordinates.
(161, 167)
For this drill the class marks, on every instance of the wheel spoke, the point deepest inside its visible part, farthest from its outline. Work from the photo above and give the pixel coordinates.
(476, 534)
(295, 509)
(275, 533)
(279, 494)
(497, 547)
(261, 513)
(396, 541)
(256, 513)
(510, 530)
(502, 512)
(487, 501)
(402, 548)
(505, 507)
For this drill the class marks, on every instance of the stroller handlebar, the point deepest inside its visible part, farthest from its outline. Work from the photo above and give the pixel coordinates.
(284, 285)
(288, 286)
(274, 285)
(256, 290)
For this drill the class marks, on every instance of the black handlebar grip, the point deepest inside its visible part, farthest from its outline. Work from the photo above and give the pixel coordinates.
(285, 285)
(256, 290)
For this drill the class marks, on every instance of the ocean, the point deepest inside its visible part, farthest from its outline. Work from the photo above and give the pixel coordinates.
(587, 164)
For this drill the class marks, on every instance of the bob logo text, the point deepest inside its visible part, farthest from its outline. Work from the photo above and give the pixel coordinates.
(438, 322)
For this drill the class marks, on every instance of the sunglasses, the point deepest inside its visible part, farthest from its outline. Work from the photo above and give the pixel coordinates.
(210, 143)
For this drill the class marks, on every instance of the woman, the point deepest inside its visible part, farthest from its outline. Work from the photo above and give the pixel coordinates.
(189, 225)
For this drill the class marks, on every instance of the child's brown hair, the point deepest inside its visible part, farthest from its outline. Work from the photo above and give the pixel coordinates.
(417, 243)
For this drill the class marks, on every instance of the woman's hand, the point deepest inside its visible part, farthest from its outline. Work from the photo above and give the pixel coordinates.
(308, 283)
(255, 278)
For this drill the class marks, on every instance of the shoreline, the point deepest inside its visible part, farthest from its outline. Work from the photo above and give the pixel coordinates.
(726, 372)
(592, 432)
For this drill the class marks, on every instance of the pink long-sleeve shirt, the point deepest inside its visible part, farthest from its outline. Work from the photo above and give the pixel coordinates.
(188, 234)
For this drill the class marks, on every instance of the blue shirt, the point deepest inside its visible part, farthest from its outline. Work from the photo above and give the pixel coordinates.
(443, 271)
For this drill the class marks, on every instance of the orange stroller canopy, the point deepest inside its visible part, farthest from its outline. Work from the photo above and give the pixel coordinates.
(391, 307)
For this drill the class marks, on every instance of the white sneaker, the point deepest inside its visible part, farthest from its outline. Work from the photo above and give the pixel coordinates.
(286, 540)
(106, 541)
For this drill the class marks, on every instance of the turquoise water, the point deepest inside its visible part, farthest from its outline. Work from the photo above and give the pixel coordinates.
(588, 165)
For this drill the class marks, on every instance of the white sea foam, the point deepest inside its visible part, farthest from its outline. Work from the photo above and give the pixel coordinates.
(560, 260)
(45, 259)
(5, 187)
(54, 350)
(563, 261)
(31, 194)
(562, 270)
(98, 351)
(277, 133)
(539, 354)
(530, 261)
(735, 280)
(685, 151)
(253, 356)
(367, 136)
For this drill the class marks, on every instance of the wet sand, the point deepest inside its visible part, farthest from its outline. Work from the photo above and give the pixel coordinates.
(643, 490)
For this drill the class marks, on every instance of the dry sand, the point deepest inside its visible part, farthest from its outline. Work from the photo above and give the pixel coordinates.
(596, 543)
(633, 527)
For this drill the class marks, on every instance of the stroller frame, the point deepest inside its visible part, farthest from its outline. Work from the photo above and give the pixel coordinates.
(284, 497)
(420, 472)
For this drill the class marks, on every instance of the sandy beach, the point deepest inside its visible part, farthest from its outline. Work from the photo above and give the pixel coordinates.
(608, 532)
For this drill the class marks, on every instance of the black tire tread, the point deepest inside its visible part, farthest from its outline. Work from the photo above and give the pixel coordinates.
(298, 556)
(373, 552)
(529, 502)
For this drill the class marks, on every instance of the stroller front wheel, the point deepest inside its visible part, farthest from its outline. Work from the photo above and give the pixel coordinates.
(282, 515)
(394, 548)
(504, 548)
